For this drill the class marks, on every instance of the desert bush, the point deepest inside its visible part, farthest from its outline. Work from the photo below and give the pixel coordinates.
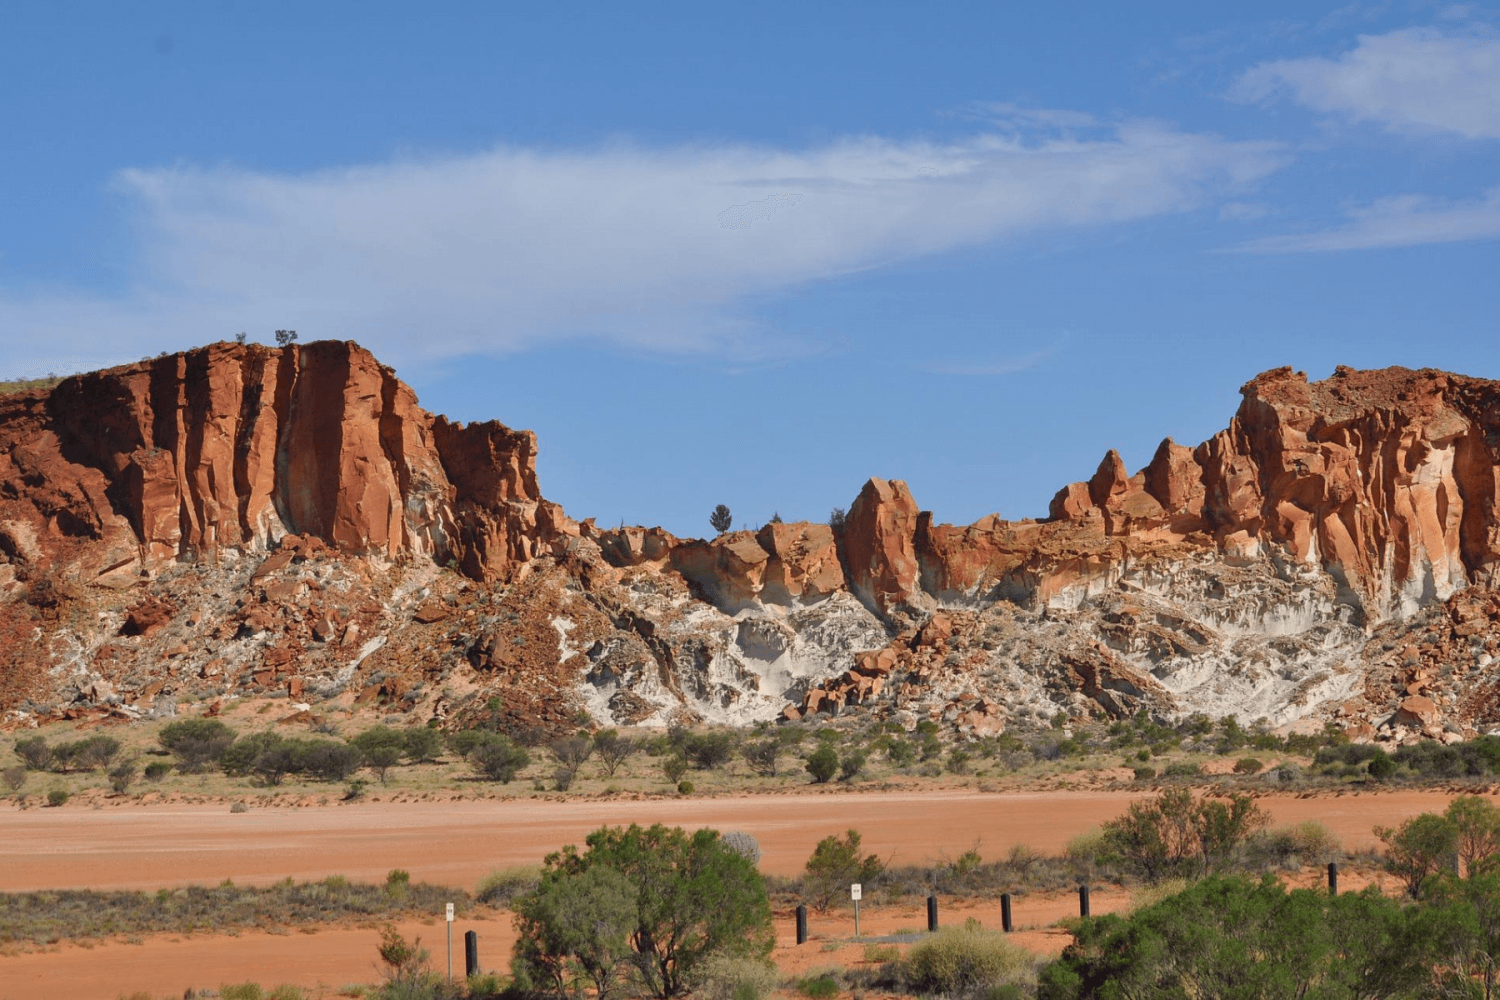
(498, 758)
(57, 797)
(685, 787)
(852, 764)
(380, 760)
(743, 844)
(15, 778)
(1176, 835)
(835, 863)
(1418, 849)
(709, 751)
(121, 776)
(238, 759)
(823, 764)
(241, 991)
(660, 900)
(763, 756)
(331, 761)
(726, 977)
(570, 753)
(1248, 765)
(421, 744)
(34, 752)
(502, 885)
(1145, 773)
(818, 986)
(613, 750)
(963, 960)
(196, 743)
(157, 770)
(674, 766)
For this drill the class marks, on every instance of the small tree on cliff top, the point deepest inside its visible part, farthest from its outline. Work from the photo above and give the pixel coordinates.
(720, 519)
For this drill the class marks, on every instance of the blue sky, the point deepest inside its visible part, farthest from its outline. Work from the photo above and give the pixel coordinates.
(755, 254)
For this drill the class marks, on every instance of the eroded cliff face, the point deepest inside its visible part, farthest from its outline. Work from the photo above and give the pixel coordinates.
(239, 519)
(117, 474)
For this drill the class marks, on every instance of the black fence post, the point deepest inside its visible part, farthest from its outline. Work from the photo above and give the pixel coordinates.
(801, 924)
(931, 913)
(1005, 911)
(471, 954)
(1333, 878)
(1083, 900)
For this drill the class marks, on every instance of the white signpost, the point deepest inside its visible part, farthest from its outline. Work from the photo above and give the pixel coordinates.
(855, 891)
(449, 915)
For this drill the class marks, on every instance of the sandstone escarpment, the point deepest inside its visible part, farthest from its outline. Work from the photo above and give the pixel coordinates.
(246, 520)
(118, 473)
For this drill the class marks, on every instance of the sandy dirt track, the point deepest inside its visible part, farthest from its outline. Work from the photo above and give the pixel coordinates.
(457, 843)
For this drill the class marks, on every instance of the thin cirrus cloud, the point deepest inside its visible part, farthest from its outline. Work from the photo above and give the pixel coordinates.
(1415, 80)
(506, 249)
(1401, 221)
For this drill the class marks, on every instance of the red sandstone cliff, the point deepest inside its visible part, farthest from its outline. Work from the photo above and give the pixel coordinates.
(117, 473)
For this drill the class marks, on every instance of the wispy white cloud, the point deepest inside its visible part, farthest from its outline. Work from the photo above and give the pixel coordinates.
(1415, 80)
(500, 250)
(1404, 220)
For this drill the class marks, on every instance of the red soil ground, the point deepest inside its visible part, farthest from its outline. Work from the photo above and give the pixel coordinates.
(456, 843)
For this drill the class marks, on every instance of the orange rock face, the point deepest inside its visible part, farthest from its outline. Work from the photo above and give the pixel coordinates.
(233, 446)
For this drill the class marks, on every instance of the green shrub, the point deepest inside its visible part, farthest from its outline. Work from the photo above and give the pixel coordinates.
(121, 776)
(823, 764)
(1145, 773)
(835, 864)
(497, 757)
(961, 960)
(34, 752)
(708, 751)
(196, 742)
(1182, 769)
(157, 770)
(241, 991)
(822, 986)
(1248, 765)
(852, 764)
(57, 797)
(502, 885)
(881, 953)
(725, 977)
(685, 788)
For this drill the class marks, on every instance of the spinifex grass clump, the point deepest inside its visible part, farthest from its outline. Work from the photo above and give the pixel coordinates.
(63, 914)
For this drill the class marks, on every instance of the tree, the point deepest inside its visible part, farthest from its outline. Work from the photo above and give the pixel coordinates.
(382, 747)
(836, 864)
(1176, 836)
(121, 776)
(498, 758)
(285, 337)
(720, 519)
(837, 517)
(1232, 937)
(1418, 849)
(823, 764)
(34, 752)
(14, 778)
(708, 751)
(575, 932)
(421, 744)
(1476, 832)
(613, 750)
(570, 752)
(692, 896)
(196, 742)
(381, 759)
(762, 756)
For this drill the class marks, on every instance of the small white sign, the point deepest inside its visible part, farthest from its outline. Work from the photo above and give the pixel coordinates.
(450, 913)
(854, 891)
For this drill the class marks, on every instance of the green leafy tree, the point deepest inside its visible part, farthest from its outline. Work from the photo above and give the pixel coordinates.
(1464, 923)
(196, 743)
(1476, 832)
(693, 897)
(498, 758)
(1228, 936)
(1418, 849)
(380, 760)
(720, 519)
(823, 764)
(571, 752)
(709, 751)
(574, 932)
(835, 864)
(34, 752)
(1176, 836)
(239, 757)
(763, 756)
(421, 744)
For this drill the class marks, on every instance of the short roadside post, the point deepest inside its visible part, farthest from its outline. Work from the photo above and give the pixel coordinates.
(1005, 923)
(855, 891)
(448, 913)
(1083, 900)
(471, 954)
(931, 913)
(802, 923)
(1333, 878)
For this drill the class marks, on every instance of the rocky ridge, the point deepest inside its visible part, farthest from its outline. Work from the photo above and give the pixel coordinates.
(243, 520)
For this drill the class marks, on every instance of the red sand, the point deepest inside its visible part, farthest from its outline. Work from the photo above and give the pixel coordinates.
(457, 843)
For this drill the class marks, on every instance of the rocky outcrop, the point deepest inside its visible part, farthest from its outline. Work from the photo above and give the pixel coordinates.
(231, 447)
(240, 519)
